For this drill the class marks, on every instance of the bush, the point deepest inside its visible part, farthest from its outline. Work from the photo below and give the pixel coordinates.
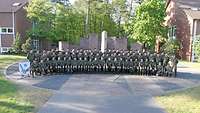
(26, 47)
(16, 47)
(196, 46)
(171, 47)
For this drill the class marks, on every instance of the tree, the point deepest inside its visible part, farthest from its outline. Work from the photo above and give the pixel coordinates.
(120, 15)
(41, 13)
(26, 47)
(97, 16)
(196, 46)
(69, 24)
(147, 23)
(17, 44)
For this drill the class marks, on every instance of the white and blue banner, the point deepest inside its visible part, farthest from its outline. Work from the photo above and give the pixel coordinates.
(24, 68)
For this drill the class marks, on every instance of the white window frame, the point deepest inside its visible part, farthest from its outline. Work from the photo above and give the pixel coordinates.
(7, 49)
(10, 32)
(172, 32)
(6, 30)
(36, 44)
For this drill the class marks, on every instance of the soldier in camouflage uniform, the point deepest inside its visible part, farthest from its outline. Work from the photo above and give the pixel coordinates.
(112, 61)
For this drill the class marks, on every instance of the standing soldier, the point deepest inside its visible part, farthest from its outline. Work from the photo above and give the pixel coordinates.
(174, 65)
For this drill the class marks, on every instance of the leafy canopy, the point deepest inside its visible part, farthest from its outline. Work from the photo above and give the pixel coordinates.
(147, 23)
(41, 13)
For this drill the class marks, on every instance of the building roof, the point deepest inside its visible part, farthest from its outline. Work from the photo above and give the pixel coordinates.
(7, 5)
(194, 14)
(189, 3)
(186, 3)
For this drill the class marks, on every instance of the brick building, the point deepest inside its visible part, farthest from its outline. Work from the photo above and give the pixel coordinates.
(12, 20)
(183, 20)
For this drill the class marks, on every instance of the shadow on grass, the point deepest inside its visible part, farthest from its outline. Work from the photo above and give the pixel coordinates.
(14, 107)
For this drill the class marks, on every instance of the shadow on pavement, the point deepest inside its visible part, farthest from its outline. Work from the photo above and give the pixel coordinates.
(189, 76)
(54, 83)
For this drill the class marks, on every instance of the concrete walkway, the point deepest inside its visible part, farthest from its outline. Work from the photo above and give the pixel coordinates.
(99, 94)
(83, 93)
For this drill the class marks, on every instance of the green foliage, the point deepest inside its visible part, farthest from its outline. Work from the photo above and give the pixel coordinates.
(120, 15)
(16, 47)
(15, 98)
(69, 24)
(26, 47)
(197, 49)
(147, 23)
(59, 22)
(171, 47)
(99, 14)
(41, 13)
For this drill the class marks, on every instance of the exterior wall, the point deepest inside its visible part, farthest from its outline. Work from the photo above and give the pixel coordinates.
(47, 45)
(6, 39)
(184, 27)
(117, 43)
(136, 46)
(184, 32)
(95, 43)
(22, 23)
(84, 43)
(6, 20)
(198, 27)
(21, 26)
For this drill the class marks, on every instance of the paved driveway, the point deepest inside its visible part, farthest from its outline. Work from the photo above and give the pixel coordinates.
(99, 94)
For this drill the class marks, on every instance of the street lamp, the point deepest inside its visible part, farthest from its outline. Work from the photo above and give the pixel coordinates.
(13, 16)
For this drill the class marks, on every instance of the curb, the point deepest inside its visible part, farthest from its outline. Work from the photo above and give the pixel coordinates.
(6, 68)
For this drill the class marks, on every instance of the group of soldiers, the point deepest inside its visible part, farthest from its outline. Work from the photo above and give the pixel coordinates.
(94, 61)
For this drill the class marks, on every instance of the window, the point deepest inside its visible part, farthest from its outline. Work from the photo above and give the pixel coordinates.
(10, 30)
(7, 30)
(172, 32)
(4, 30)
(35, 44)
(4, 50)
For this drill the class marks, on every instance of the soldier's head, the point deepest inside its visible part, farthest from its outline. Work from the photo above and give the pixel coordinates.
(38, 51)
(53, 58)
(34, 61)
(41, 61)
(44, 51)
(31, 51)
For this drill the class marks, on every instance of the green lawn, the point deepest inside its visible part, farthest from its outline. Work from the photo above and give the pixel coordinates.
(187, 101)
(190, 64)
(6, 60)
(15, 98)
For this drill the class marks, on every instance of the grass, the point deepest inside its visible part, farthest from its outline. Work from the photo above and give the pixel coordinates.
(15, 98)
(6, 60)
(190, 64)
(187, 101)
